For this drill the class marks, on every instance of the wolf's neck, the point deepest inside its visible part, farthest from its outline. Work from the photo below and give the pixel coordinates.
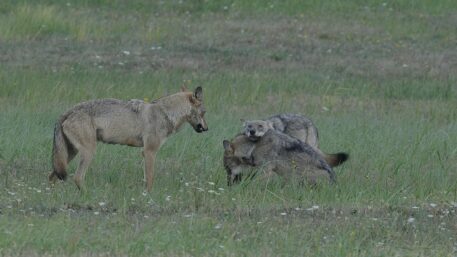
(176, 110)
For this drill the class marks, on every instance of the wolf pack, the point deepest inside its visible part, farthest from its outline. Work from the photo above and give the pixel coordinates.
(284, 144)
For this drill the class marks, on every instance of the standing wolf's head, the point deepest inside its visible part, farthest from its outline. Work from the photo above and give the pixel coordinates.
(255, 129)
(196, 118)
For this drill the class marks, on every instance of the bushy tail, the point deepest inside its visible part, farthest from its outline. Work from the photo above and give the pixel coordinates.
(336, 159)
(61, 151)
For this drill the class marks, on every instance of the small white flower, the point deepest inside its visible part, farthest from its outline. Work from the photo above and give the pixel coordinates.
(102, 203)
(144, 193)
(433, 205)
(30, 225)
(126, 52)
(220, 189)
(411, 220)
(315, 207)
(430, 216)
(283, 214)
(415, 207)
(96, 213)
(218, 226)
(186, 184)
(200, 189)
(211, 183)
(297, 209)
(168, 198)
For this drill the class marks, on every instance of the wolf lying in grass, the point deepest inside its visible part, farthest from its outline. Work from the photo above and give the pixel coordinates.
(239, 151)
(133, 123)
(296, 126)
(275, 152)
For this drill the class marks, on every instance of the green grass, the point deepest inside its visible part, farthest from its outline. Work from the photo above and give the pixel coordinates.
(377, 78)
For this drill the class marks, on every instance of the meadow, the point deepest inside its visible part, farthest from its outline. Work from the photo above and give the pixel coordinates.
(378, 78)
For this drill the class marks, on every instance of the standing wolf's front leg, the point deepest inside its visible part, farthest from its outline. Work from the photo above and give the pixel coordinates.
(149, 152)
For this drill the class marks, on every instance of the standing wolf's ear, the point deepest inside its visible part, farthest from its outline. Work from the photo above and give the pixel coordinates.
(243, 121)
(270, 124)
(184, 88)
(198, 94)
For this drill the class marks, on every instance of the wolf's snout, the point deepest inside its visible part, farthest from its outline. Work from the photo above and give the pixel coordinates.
(252, 132)
(200, 128)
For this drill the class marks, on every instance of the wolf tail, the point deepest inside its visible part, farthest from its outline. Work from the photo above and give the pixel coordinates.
(335, 159)
(62, 149)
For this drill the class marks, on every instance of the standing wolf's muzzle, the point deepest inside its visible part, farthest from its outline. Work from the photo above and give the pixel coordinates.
(199, 128)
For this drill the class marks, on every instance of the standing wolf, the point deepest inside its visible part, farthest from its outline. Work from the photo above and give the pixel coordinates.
(134, 123)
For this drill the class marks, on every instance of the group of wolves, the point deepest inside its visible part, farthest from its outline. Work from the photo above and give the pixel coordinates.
(285, 144)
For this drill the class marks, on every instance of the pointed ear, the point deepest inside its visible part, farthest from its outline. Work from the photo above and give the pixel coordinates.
(198, 94)
(244, 122)
(227, 145)
(270, 124)
(184, 88)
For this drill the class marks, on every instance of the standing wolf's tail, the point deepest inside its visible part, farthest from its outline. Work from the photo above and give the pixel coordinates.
(61, 151)
(335, 159)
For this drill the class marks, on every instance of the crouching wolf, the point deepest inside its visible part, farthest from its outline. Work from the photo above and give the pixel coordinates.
(133, 123)
(275, 152)
(296, 126)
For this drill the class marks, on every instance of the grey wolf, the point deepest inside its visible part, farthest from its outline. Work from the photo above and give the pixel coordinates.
(294, 125)
(133, 123)
(275, 152)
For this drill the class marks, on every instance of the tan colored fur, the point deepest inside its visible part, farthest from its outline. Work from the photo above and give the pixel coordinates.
(134, 123)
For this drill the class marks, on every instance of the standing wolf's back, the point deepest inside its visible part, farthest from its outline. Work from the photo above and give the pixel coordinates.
(115, 121)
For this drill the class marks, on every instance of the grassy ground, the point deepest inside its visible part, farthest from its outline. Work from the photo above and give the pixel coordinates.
(377, 77)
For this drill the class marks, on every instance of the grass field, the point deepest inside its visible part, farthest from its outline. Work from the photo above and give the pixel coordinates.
(379, 79)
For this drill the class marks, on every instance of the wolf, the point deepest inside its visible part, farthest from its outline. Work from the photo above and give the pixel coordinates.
(134, 123)
(275, 152)
(294, 125)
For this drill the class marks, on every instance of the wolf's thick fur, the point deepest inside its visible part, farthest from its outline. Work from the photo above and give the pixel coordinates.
(276, 152)
(294, 125)
(134, 123)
